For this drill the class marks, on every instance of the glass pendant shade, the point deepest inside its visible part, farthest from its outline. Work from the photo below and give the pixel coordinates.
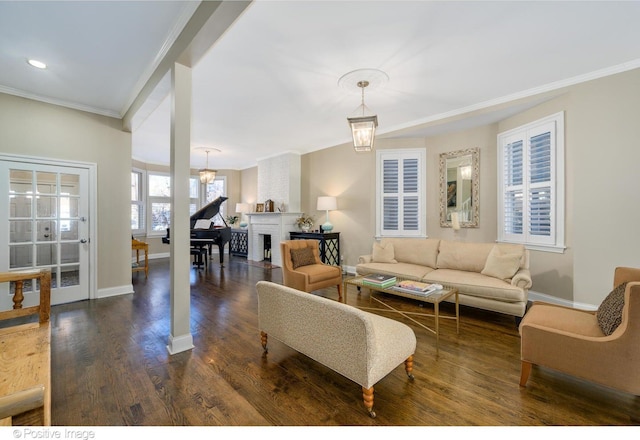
(363, 130)
(207, 175)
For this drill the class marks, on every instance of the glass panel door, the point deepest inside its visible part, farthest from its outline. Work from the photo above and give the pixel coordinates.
(47, 218)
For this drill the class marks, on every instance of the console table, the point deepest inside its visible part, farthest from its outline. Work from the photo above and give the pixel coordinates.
(239, 244)
(329, 243)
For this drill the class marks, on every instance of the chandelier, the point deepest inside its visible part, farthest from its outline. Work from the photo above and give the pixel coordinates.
(207, 175)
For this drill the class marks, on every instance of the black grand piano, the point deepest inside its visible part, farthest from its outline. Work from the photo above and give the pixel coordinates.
(204, 232)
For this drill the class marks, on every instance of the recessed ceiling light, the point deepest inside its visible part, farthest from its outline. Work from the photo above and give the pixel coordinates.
(38, 64)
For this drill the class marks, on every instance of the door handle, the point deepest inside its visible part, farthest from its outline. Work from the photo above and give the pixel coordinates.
(84, 240)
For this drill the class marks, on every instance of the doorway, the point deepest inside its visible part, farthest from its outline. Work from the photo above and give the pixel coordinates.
(45, 224)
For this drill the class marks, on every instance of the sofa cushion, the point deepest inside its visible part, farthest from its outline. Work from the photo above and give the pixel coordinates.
(420, 251)
(501, 264)
(383, 253)
(609, 312)
(302, 257)
(470, 257)
(405, 270)
(476, 284)
(318, 272)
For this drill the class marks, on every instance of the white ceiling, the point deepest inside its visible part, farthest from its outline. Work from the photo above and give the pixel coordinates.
(270, 83)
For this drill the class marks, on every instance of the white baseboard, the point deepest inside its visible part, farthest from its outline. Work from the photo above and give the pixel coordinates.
(178, 344)
(114, 291)
(537, 296)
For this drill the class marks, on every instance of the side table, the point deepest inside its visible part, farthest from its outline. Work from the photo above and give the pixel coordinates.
(329, 244)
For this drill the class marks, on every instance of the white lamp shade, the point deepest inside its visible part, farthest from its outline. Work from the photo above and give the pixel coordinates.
(326, 203)
(242, 208)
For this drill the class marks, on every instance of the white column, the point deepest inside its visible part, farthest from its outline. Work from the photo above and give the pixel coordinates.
(180, 338)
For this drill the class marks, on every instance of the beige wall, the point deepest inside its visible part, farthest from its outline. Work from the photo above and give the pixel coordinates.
(32, 128)
(602, 209)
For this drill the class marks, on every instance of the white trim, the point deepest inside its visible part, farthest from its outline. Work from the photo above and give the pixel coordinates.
(115, 291)
(178, 344)
(537, 296)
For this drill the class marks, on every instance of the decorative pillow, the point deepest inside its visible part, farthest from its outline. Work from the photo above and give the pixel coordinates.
(302, 257)
(609, 313)
(501, 265)
(383, 254)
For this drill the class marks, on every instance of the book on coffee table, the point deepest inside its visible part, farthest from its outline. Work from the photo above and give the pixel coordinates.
(416, 286)
(379, 280)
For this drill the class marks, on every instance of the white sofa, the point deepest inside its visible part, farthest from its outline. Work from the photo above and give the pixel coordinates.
(359, 345)
(489, 276)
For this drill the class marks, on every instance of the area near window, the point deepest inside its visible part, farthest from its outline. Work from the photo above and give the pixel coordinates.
(531, 184)
(400, 193)
(151, 192)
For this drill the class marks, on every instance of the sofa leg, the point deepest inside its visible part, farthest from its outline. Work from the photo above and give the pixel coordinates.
(367, 395)
(263, 340)
(408, 367)
(525, 370)
(340, 292)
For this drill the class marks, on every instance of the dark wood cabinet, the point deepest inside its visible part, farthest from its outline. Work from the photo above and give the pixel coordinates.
(329, 244)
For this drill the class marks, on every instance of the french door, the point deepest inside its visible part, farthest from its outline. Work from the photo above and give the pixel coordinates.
(44, 223)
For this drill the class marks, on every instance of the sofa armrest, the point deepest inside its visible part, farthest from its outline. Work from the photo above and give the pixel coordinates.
(522, 279)
(365, 259)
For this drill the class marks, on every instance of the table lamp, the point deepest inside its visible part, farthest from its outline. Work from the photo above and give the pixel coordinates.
(242, 208)
(327, 204)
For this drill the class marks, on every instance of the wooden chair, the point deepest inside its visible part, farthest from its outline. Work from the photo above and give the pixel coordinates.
(571, 341)
(308, 277)
(25, 360)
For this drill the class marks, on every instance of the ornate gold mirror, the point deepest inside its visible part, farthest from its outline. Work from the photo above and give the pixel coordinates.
(459, 188)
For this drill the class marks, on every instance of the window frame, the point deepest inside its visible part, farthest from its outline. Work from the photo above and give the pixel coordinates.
(150, 200)
(400, 154)
(141, 202)
(554, 242)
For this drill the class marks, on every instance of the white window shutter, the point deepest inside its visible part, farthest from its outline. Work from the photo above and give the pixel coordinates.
(400, 199)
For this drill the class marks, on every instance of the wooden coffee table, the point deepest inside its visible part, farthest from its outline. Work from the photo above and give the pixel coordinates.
(434, 298)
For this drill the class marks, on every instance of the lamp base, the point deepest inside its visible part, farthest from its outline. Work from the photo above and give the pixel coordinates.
(327, 227)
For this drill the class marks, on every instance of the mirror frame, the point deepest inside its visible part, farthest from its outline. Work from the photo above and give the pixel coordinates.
(474, 221)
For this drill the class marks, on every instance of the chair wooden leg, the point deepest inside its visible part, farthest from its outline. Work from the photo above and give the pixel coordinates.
(525, 370)
(340, 292)
(367, 395)
(408, 367)
(263, 340)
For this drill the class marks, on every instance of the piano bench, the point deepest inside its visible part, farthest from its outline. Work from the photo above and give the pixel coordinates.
(200, 256)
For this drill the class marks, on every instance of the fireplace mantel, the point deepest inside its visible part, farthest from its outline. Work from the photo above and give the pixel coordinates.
(277, 225)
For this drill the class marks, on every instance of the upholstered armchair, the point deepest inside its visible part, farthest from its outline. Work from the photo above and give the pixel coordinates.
(573, 341)
(303, 270)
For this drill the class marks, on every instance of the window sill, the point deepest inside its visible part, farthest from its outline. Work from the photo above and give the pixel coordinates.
(556, 249)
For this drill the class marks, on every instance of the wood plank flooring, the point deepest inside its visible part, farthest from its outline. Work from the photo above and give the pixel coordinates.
(110, 367)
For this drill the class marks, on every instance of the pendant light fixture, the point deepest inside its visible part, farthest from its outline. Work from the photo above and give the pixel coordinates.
(363, 125)
(207, 175)
(363, 128)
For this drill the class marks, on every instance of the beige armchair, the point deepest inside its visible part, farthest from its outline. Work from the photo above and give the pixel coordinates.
(303, 270)
(571, 341)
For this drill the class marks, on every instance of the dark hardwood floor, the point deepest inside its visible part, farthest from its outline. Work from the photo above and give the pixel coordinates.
(110, 366)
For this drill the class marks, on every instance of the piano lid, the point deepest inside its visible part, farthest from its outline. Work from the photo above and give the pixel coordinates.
(209, 211)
